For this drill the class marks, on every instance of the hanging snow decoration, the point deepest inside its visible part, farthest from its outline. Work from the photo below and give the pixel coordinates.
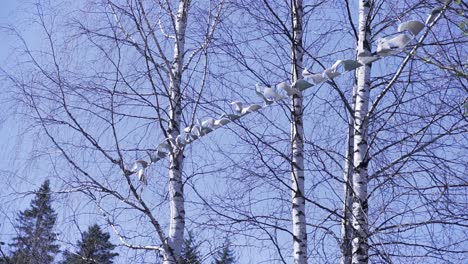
(407, 32)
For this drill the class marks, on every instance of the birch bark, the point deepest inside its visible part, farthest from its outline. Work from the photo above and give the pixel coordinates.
(346, 224)
(360, 160)
(176, 191)
(297, 142)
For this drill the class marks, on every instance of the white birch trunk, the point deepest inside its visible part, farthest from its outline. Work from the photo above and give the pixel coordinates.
(297, 143)
(176, 192)
(346, 226)
(360, 204)
(346, 222)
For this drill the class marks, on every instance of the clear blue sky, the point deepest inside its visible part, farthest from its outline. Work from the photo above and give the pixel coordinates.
(14, 148)
(18, 173)
(7, 16)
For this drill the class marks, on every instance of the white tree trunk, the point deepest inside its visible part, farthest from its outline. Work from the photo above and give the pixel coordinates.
(176, 192)
(346, 225)
(360, 205)
(297, 143)
(346, 222)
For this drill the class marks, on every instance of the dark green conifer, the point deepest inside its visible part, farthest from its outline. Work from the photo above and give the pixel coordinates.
(225, 255)
(36, 239)
(94, 247)
(190, 254)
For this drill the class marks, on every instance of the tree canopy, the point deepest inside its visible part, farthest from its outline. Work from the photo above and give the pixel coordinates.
(305, 131)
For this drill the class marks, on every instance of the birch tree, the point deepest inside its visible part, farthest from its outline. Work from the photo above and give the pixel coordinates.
(176, 192)
(273, 40)
(360, 127)
(365, 119)
(157, 71)
(113, 84)
(297, 142)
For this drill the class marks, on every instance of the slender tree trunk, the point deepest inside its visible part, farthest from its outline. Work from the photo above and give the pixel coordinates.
(360, 204)
(346, 222)
(346, 225)
(297, 142)
(176, 191)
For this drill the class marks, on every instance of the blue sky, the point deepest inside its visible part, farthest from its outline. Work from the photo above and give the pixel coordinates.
(7, 16)
(15, 155)
(22, 171)
(26, 173)
(15, 142)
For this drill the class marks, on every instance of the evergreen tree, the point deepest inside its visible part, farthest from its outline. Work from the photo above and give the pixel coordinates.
(94, 247)
(225, 255)
(36, 240)
(190, 254)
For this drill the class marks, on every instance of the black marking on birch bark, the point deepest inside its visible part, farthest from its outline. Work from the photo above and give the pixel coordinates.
(179, 217)
(300, 213)
(171, 127)
(355, 201)
(297, 139)
(295, 164)
(363, 164)
(362, 142)
(175, 180)
(366, 44)
(178, 194)
(297, 153)
(363, 89)
(175, 166)
(365, 205)
(297, 117)
(364, 259)
(298, 194)
(360, 251)
(297, 239)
